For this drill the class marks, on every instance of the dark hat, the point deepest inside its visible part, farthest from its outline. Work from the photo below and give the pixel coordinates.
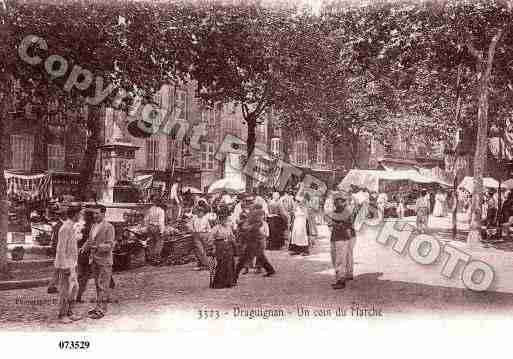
(223, 211)
(249, 198)
(202, 207)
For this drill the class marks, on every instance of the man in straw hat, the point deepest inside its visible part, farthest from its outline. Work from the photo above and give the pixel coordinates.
(100, 245)
(343, 238)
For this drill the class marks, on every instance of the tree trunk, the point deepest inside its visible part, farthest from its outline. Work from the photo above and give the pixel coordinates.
(454, 216)
(89, 161)
(456, 155)
(41, 143)
(474, 236)
(485, 67)
(4, 213)
(355, 137)
(251, 141)
(498, 213)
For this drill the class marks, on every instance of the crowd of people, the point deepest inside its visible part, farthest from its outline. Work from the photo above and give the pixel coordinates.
(230, 236)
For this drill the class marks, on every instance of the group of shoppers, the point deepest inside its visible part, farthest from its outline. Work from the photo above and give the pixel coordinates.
(227, 231)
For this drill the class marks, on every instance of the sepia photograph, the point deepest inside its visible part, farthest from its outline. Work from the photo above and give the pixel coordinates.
(243, 166)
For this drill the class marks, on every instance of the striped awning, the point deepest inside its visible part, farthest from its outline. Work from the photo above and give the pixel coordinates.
(29, 187)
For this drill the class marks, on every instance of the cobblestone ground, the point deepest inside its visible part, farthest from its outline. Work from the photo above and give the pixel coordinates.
(158, 298)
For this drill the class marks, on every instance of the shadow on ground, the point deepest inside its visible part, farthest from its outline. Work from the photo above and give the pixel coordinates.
(149, 292)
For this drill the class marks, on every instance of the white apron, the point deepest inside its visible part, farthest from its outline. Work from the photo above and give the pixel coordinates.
(299, 235)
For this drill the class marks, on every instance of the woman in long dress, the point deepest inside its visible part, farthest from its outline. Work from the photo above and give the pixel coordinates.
(438, 210)
(445, 206)
(381, 204)
(401, 206)
(299, 236)
(278, 223)
(224, 241)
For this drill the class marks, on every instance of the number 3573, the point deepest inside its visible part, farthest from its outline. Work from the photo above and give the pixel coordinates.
(209, 314)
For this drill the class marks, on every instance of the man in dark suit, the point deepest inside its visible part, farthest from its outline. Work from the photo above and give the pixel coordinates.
(101, 245)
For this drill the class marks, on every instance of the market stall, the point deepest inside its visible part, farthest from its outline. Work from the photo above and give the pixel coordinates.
(468, 183)
(28, 187)
(404, 183)
(26, 193)
(387, 181)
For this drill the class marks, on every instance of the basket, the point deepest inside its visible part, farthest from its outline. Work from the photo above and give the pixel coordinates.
(180, 249)
(18, 253)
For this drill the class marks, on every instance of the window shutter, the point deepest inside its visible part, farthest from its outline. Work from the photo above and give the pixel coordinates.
(162, 155)
(148, 153)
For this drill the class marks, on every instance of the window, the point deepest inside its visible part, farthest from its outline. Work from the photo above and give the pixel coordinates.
(152, 153)
(22, 147)
(204, 116)
(262, 169)
(208, 116)
(181, 105)
(260, 133)
(301, 153)
(186, 155)
(207, 156)
(276, 146)
(56, 158)
(277, 130)
(387, 147)
(213, 114)
(321, 153)
(157, 98)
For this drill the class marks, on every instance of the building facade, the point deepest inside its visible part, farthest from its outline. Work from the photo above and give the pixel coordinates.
(318, 157)
(54, 141)
(168, 154)
(44, 138)
(403, 153)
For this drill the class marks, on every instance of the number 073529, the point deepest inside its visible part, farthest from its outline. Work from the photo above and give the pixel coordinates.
(74, 344)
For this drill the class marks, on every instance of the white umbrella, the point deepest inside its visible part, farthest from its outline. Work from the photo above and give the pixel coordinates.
(235, 185)
(361, 178)
(468, 183)
(507, 184)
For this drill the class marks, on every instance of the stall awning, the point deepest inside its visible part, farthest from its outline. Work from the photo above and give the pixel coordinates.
(468, 183)
(29, 186)
(370, 179)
